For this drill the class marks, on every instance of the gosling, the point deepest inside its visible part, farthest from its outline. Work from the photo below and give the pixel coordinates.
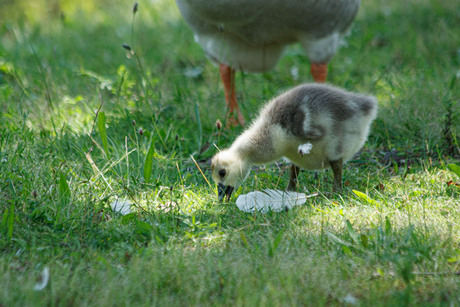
(313, 125)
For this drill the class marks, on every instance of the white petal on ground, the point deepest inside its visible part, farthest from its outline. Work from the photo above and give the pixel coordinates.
(273, 200)
(350, 299)
(121, 206)
(304, 149)
(295, 73)
(43, 279)
(193, 72)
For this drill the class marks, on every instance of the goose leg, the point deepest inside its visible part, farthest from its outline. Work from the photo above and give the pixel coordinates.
(319, 72)
(337, 170)
(228, 78)
(293, 178)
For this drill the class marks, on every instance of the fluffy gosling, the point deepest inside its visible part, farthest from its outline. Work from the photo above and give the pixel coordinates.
(312, 125)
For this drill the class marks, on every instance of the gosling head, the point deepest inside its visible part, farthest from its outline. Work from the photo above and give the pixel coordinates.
(228, 171)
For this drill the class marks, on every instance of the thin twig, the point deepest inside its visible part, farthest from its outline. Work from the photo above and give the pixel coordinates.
(201, 171)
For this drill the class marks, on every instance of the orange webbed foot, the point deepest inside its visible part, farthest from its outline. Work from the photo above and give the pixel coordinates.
(319, 72)
(228, 79)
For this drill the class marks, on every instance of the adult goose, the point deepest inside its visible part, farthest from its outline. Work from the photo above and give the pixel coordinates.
(250, 35)
(313, 125)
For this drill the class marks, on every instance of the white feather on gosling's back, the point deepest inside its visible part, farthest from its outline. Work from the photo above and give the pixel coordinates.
(335, 122)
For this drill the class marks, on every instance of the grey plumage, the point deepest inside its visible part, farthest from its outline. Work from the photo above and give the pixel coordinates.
(334, 121)
(251, 34)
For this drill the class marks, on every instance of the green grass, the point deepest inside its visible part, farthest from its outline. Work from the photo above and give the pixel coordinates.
(81, 124)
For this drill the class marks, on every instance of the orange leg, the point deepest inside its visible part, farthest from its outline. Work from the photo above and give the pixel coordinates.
(228, 78)
(319, 72)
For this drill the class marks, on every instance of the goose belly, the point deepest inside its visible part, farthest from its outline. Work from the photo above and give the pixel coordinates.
(322, 152)
(251, 35)
(315, 160)
(229, 50)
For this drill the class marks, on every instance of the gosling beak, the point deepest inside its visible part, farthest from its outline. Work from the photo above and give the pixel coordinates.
(224, 190)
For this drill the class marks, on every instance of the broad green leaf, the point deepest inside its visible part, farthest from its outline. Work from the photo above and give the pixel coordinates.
(454, 168)
(144, 228)
(103, 133)
(455, 258)
(200, 129)
(346, 250)
(129, 218)
(275, 244)
(387, 226)
(325, 211)
(452, 81)
(159, 240)
(336, 239)
(5, 218)
(396, 168)
(415, 193)
(278, 238)
(351, 231)
(364, 241)
(64, 190)
(10, 222)
(148, 163)
(366, 198)
(243, 238)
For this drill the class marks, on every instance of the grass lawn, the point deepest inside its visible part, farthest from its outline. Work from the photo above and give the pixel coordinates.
(85, 121)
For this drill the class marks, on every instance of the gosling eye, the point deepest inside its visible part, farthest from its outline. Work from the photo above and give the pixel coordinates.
(222, 173)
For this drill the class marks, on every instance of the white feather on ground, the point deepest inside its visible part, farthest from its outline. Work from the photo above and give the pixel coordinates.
(43, 279)
(271, 200)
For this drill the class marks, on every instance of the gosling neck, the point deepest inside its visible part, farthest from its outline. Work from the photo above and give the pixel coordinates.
(255, 145)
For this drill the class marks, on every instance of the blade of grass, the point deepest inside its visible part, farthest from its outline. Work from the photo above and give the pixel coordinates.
(149, 161)
(454, 168)
(366, 198)
(103, 133)
(8, 221)
(275, 244)
(200, 129)
(352, 232)
(64, 190)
